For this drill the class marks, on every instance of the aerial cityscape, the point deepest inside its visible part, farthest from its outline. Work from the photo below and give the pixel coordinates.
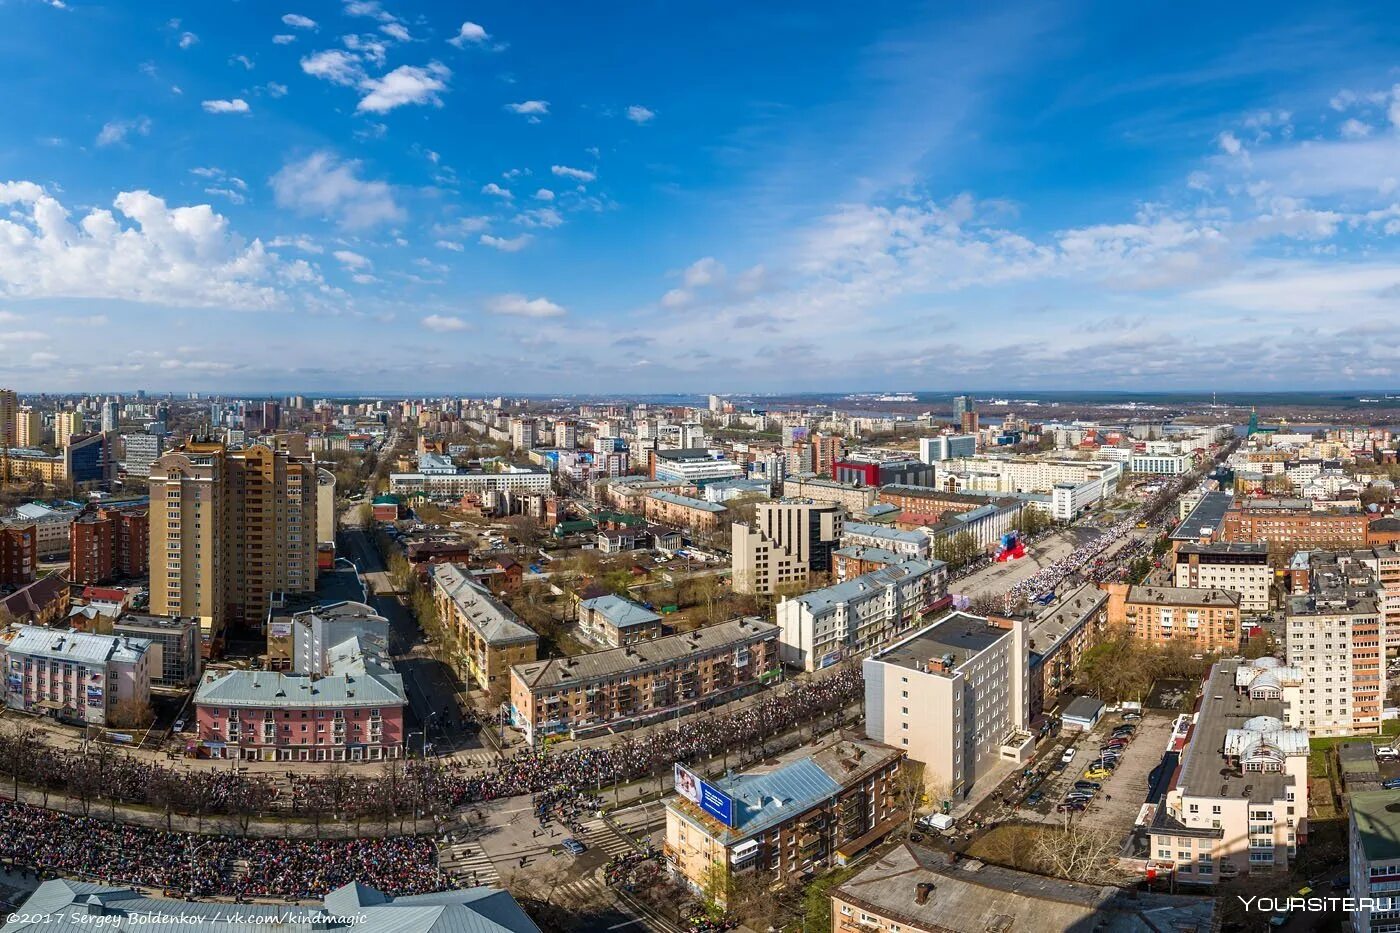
(768, 468)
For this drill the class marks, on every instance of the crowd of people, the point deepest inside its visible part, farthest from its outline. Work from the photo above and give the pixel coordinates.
(189, 864)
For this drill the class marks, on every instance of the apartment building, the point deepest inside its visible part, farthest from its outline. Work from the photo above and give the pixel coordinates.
(849, 496)
(493, 638)
(788, 543)
(1374, 859)
(1238, 803)
(108, 543)
(1058, 640)
(913, 544)
(1289, 525)
(697, 515)
(9, 416)
(913, 889)
(66, 425)
(19, 555)
(77, 677)
(859, 616)
(696, 467)
(947, 447)
(1161, 464)
(645, 682)
(230, 530)
(1376, 569)
(342, 702)
(1208, 620)
(1003, 473)
(954, 696)
(807, 814)
(1336, 637)
(29, 427)
(140, 451)
(1241, 567)
(849, 562)
(617, 622)
(453, 485)
(523, 433)
(177, 640)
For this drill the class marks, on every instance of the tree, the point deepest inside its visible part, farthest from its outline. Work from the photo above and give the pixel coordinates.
(132, 713)
(908, 791)
(1076, 853)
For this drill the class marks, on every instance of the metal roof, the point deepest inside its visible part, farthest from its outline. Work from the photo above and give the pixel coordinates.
(60, 645)
(864, 585)
(686, 501)
(622, 613)
(491, 619)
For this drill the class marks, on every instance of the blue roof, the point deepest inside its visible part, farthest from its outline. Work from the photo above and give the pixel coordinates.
(829, 596)
(622, 613)
(764, 800)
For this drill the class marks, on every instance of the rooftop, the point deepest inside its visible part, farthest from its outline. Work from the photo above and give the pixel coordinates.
(622, 613)
(1065, 618)
(967, 896)
(1240, 548)
(492, 620)
(1182, 596)
(1376, 815)
(687, 501)
(828, 597)
(1205, 518)
(60, 645)
(886, 533)
(959, 637)
(78, 905)
(614, 662)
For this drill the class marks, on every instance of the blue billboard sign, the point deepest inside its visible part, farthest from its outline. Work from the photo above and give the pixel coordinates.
(704, 795)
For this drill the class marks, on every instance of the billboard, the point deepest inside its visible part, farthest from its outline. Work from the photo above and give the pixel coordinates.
(704, 795)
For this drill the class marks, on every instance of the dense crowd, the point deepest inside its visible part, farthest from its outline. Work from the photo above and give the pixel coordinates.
(50, 842)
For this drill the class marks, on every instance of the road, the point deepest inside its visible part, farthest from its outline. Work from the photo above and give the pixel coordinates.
(432, 694)
(998, 578)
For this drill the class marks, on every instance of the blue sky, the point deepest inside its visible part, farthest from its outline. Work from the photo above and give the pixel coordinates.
(547, 197)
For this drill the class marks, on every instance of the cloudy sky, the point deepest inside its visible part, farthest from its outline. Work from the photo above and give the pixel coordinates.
(643, 196)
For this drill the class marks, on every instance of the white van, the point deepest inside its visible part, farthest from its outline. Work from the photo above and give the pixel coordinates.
(937, 821)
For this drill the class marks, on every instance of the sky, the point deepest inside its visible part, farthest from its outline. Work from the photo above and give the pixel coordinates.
(545, 197)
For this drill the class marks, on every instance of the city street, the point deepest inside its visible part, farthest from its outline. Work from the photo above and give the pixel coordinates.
(998, 578)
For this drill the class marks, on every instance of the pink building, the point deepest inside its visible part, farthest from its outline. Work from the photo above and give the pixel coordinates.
(342, 701)
(78, 677)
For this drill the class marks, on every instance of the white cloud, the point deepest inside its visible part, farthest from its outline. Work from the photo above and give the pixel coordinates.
(372, 47)
(396, 31)
(530, 107)
(703, 272)
(407, 84)
(451, 245)
(546, 217)
(188, 40)
(469, 33)
(303, 243)
(515, 305)
(676, 298)
(243, 60)
(237, 105)
(283, 39)
(235, 196)
(297, 21)
(334, 66)
(1355, 129)
(496, 190)
(578, 174)
(504, 244)
(116, 131)
(352, 260)
(275, 90)
(444, 324)
(323, 184)
(1229, 143)
(369, 8)
(544, 194)
(639, 115)
(141, 251)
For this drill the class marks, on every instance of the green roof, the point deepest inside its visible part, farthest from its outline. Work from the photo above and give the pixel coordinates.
(387, 500)
(1376, 816)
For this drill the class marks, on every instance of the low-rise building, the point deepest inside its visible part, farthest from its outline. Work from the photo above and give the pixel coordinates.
(455, 484)
(1238, 802)
(853, 618)
(1289, 525)
(954, 696)
(78, 677)
(1161, 464)
(615, 621)
(913, 544)
(178, 640)
(912, 889)
(849, 562)
(43, 602)
(849, 496)
(342, 701)
(645, 682)
(801, 816)
(1241, 567)
(1059, 638)
(682, 511)
(493, 638)
(1208, 620)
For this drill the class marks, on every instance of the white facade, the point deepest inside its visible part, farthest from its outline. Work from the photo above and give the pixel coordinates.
(947, 447)
(1068, 500)
(1164, 465)
(455, 484)
(1340, 648)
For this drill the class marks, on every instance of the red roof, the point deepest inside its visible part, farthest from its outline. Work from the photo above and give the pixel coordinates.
(106, 594)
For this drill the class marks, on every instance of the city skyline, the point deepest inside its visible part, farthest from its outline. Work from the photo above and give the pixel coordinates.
(327, 197)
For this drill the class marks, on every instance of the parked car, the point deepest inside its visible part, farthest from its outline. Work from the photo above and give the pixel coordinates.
(1087, 785)
(1097, 773)
(1131, 717)
(1068, 756)
(1034, 797)
(1070, 807)
(1392, 784)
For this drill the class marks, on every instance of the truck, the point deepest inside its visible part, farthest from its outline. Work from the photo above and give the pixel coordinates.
(938, 822)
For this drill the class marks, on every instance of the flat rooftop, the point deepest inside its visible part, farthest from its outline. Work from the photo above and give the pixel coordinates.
(1182, 596)
(1376, 814)
(1206, 518)
(961, 635)
(1204, 770)
(1226, 548)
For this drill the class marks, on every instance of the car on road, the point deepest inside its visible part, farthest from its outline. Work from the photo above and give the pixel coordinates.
(1068, 756)
(573, 846)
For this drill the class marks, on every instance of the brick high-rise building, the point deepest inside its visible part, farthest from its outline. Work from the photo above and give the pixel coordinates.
(230, 529)
(826, 450)
(9, 412)
(19, 560)
(105, 544)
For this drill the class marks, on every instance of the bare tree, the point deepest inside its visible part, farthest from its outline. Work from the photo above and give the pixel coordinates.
(1076, 853)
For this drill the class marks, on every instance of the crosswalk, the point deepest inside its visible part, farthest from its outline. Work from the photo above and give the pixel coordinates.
(633, 831)
(580, 892)
(466, 863)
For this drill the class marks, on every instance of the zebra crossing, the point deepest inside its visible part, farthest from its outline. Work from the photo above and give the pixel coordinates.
(466, 863)
(580, 892)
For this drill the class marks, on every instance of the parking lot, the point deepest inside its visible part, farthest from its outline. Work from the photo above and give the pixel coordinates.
(1116, 806)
